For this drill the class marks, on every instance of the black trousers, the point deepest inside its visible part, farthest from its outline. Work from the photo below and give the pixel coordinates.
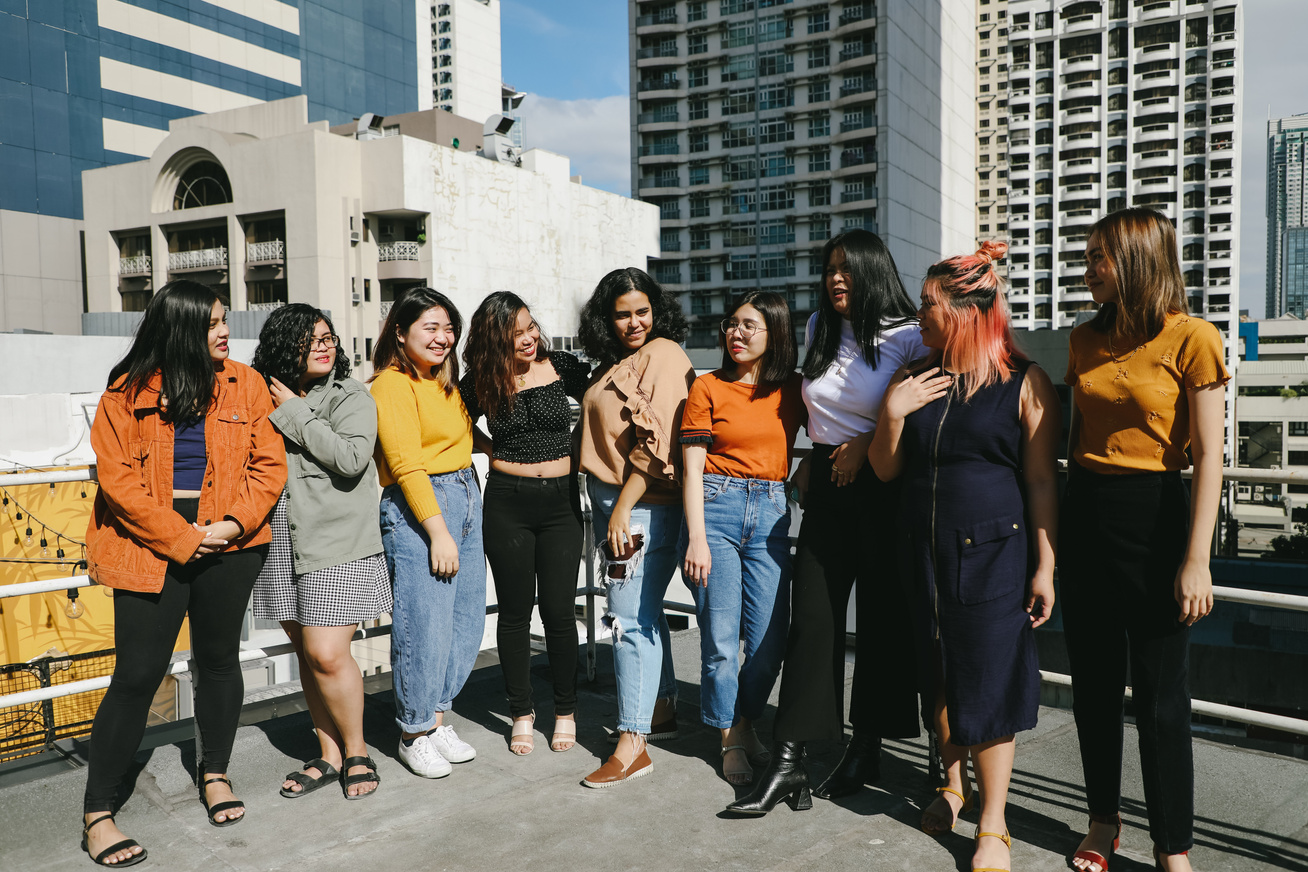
(214, 591)
(1122, 540)
(848, 541)
(532, 529)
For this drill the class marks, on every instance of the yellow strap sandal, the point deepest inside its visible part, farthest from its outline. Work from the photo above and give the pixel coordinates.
(1008, 843)
(962, 810)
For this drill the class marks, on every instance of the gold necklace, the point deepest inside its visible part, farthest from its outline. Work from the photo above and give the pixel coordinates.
(1113, 352)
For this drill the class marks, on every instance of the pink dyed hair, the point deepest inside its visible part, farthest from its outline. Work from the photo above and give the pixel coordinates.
(979, 339)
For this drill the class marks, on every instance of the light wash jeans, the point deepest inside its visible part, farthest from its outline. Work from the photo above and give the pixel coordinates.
(747, 523)
(437, 623)
(642, 652)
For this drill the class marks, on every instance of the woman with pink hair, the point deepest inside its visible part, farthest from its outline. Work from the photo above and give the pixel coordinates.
(974, 432)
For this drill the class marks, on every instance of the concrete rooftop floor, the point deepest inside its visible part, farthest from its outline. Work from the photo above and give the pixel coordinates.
(502, 812)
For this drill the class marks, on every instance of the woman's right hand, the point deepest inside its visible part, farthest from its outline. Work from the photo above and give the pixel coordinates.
(906, 396)
(620, 544)
(799, 481)
(698, 562)
(444, 554)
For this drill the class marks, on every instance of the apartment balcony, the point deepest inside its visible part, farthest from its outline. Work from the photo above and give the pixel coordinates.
(1079, 64)
(662, 117)
(1157, 79)
(137, 265)
(1159, 185)
(857, 157)
(265, 253)
(659, 148)
(855, 60)
(863, 122)
(1080, 140)
(1082, 191)
(1023, 67)
(1079, 23)
(855, 14)
(1158, 131)
(643, 54)
(663, 186)
(663, 83)
(398, 260)
(1157, 9)
(659, 22)
(198, 260)
(867, 84)
(1153, 52)
(1160, 158)
(1080, 115)
(1223, 37)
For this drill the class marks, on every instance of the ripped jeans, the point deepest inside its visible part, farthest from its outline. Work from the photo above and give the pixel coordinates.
(642, 655)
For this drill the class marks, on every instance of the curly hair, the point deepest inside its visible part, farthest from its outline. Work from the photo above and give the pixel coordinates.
(596, 334)
(488, 353)
(283, 350)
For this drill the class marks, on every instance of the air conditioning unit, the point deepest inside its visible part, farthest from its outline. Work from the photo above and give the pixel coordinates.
(358, 360)
(354, 237)
(356, 297)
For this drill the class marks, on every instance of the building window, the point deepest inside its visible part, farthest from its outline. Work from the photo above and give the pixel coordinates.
(819, 91)
(697, 110)
(697, 11)
(819, 194)
(697, 77)
(697, 141)
(699, 206)
(819, 126)
(819, 161)
(819, 20)
(819, 228)
(700, 271)
(819, 56)
(696, 43)
(699, 239)
(204, 183)
(698, 176)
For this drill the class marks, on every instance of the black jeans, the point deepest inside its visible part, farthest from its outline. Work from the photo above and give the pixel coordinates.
(214, 591)
(848, 541)
(532, 529)
(1123, 538)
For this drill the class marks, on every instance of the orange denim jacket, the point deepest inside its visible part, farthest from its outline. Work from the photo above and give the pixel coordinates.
(134, 531)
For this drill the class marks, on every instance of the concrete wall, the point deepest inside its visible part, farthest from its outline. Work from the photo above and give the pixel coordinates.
(40, 272)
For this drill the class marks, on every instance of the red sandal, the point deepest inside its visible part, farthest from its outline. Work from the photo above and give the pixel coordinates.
(1094, 856)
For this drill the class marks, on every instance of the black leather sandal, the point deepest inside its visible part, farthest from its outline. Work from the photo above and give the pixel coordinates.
(308, 784)
(220, 808)
(98, 859)
(366, 778)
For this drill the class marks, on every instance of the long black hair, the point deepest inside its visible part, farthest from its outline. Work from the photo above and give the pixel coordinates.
(173, 340)
(283, 351)
(488, 354)
(389, 354)
(596, 334)
(778, 363)
(877, 300)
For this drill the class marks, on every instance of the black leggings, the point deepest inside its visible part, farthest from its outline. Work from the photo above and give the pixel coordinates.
(214, 591)
(848, 541)
(532, 529)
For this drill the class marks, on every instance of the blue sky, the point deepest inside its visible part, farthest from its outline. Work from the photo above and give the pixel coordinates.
(572, 57)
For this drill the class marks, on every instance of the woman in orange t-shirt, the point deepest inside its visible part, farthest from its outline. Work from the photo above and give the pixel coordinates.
(737, 434)
(1146, 382)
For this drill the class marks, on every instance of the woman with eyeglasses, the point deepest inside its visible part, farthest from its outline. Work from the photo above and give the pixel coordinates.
(737, 435)
(533, 522)
(325, 571)
(864, 330)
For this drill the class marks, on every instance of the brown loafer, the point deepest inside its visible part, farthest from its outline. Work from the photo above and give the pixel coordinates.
(614, 772)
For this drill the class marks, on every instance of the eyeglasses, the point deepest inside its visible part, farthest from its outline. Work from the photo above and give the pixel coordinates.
(324, 342)
(747, 329)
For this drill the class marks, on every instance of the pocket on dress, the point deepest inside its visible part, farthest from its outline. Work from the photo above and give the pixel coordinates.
(991, 559)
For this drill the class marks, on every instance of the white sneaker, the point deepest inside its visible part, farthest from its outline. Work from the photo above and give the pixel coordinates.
(450, 746)
(424, 758)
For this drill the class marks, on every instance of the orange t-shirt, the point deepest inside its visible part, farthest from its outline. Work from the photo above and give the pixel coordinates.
(747, 436)
(1134, 413)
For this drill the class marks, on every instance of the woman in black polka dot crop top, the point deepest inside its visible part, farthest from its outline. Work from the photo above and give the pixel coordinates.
(532, 517)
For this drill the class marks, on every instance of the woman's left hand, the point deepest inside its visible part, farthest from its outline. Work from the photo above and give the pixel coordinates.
(280, 392)
(1194, 591)
(1040, 598)
(848, 459)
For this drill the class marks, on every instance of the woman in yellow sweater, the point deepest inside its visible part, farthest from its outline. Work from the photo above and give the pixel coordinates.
(431, 524)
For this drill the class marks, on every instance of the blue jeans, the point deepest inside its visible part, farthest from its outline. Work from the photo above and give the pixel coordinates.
(437, 623)
(747, 523)
(642, 650)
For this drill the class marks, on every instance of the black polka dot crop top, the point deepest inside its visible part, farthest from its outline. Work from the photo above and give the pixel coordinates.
(538, 428)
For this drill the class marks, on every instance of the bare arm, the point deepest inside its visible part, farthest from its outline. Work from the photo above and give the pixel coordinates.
(620, 521)
(904, 396)
(1041, 428)
(698, 559)
(1194, 582)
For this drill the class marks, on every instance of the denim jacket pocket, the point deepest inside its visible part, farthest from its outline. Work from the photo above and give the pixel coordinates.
(991, 559)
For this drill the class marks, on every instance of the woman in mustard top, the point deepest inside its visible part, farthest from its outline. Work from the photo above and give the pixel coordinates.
(431, 525)
(1146, 382)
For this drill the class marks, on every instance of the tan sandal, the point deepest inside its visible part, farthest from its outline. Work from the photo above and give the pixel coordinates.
(565, 733)
(522, 740)
(738, 775)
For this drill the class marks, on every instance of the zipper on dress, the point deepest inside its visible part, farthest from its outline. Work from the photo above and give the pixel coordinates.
(935, 477)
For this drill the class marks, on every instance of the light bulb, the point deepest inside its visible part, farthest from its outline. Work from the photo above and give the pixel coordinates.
(6, 506)
(59, 553)
(74, 608)
(83, 491)
(45, 547)
(52, 489)
(28, 540)
(18, 516)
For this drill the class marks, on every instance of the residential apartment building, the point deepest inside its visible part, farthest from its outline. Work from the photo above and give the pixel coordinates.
(992, 120)
(273, 208)
(465, 50)
(1287, 215)
(1116, 103)
(91, 83)
(761, 128)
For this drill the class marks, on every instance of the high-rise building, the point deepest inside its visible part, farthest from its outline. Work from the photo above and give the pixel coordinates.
(763, 127)
(465, 50)
(89, 84)
(1117, 103)
(992, 120)
(1287, 208)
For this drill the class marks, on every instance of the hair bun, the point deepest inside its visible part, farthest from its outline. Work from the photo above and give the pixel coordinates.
(992, 250)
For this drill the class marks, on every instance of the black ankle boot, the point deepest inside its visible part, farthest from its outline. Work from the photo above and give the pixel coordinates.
(860, 765)
(784, 779)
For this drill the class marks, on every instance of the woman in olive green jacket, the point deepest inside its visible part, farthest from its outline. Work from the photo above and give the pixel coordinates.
(325, 571)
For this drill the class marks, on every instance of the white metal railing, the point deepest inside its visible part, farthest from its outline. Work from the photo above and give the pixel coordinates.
(397, 251)
(262, 252)
(386, 306)
(203, 258)
(135, 265)
(265, 307)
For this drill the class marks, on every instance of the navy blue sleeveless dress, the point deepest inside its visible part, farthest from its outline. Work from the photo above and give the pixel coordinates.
(967, 548)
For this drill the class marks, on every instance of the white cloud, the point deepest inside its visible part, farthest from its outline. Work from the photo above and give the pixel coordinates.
(594, 134)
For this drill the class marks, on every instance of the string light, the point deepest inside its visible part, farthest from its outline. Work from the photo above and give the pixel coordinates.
(74, 609)
(52, 489)
(6, 505)
(18, 516)
(28, 540)
(45, 546)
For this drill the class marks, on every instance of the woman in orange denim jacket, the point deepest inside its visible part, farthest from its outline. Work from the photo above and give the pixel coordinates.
(189, 468)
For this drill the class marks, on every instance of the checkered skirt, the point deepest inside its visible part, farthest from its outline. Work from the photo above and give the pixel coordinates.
(333, 597)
